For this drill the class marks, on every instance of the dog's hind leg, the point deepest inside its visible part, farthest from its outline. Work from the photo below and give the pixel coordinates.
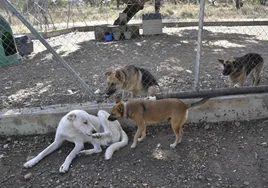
(79, 145)
(141, 127)
(96, 149)
(52, 147)
(177, 126)
(103, 118)
(257, 74)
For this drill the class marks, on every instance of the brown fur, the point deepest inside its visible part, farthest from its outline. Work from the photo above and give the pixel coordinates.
(237, 69)
(131, 78)
(154, 111)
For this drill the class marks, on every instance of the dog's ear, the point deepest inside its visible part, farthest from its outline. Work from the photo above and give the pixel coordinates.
(119, 75)
(108, 73)
(221, 61)
(118, 99)
(71, 116)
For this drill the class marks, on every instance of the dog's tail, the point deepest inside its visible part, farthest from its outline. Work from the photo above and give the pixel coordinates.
(198, 103)
(117, 145)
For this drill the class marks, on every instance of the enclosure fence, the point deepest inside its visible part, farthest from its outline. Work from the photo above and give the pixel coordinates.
(74, 51)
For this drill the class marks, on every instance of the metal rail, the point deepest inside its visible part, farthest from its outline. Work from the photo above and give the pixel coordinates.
(214, 92)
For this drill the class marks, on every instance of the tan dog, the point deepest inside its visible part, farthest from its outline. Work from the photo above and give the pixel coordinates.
(153, 111)
(132, 79)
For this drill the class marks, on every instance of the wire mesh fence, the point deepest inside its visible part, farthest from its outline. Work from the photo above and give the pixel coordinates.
(136, 47)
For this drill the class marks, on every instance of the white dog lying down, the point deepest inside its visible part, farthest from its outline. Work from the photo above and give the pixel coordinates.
(78, 127)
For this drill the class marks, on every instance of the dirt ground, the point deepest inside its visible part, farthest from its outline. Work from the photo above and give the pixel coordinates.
(40, 80)
(226, 154)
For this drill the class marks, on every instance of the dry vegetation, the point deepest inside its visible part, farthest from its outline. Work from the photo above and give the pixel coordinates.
(107, 14)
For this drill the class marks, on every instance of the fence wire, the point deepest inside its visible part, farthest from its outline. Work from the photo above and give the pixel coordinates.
(130, 48)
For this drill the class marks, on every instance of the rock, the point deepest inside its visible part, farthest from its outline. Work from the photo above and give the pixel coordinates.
(5, 146)
(206, 127)
(246, 183)
(28, 176)
(209, 179)
(237, 124)
(264, 144)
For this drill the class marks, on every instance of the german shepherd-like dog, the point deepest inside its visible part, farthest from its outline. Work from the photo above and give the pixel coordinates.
(132, 79)
(238, 68)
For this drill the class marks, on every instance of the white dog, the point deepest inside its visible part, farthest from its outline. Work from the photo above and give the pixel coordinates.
(78, 127)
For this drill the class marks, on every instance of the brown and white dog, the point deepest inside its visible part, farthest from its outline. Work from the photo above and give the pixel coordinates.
(133, 79)
(238, 68)
(153, 111)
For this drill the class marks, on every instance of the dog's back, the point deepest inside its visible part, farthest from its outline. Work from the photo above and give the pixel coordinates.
(250, 61)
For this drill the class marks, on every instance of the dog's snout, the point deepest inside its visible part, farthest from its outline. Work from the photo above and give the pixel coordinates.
(111, 118)
(110, 91)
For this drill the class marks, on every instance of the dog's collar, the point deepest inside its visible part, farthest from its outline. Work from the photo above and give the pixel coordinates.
(125, 110)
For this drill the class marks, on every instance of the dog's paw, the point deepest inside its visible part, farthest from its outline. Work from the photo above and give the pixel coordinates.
(96, 135)
(64, 168)
(30, 163)
(140, 139)
(133, 146)
(173, 145)
(84, 152)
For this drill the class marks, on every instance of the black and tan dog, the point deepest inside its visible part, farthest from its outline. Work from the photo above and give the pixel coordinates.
(238, 68)
(153, 111)
(133, 79)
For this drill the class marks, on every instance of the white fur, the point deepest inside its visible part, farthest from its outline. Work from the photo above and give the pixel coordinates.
(77, 127)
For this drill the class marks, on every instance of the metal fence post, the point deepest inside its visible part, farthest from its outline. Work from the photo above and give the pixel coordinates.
(199, 44)
(49, 48)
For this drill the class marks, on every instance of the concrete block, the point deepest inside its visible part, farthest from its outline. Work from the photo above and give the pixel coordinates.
(45, 120)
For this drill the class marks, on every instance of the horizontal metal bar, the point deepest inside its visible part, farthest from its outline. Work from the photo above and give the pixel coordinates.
(214, 92)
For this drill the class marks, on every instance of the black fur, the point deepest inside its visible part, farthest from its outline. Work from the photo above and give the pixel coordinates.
(249, 60)
(148, 79)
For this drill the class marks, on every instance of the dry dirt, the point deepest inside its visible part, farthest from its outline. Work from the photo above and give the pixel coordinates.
(40, 80)
(226, 154)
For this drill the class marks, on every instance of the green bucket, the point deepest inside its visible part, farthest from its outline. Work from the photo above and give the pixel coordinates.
(8, 49)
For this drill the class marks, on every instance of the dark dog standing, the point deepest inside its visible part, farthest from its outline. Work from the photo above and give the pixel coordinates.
(238, 68)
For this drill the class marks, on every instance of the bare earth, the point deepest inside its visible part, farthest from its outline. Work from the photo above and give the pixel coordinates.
(40, 80)
(210, 155)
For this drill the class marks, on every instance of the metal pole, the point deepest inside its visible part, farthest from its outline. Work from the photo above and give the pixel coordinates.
(45, 43)
(214, 92)
(199, 44)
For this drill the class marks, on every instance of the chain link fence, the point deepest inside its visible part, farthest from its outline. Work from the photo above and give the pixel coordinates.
(99, 48)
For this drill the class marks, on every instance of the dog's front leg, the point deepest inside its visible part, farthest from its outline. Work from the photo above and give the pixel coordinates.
(96, 149)
(79, 145)
(143, 135)
(141, 127)
(52, 147)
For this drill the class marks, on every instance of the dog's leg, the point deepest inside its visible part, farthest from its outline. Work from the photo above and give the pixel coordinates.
(143, 135)
(52, 147)
(141, 126)
(257, 74)
(133, 93)
(123, 94)
(103, 118)
(177, 125)
(79, 145)
(96, 149)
